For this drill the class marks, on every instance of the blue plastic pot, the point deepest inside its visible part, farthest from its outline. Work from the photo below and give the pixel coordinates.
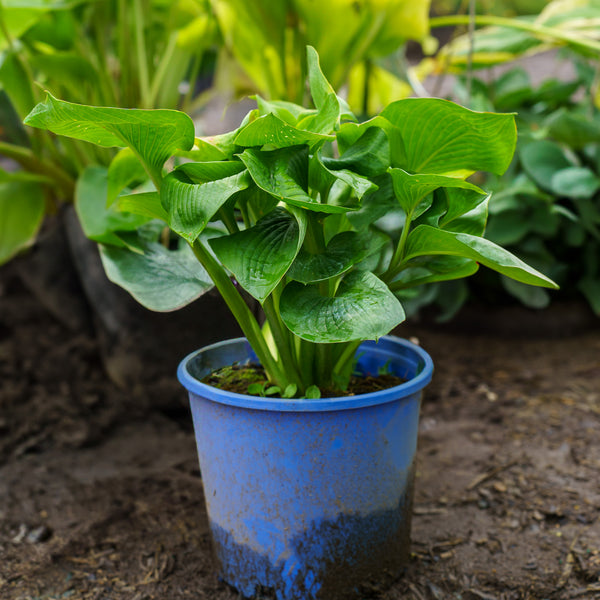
(308, 499)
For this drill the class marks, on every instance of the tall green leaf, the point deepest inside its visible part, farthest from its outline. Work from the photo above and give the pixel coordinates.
(191, 205)
(425, 240)
(436, 136)
(153, 135)
(22, 209)
(98, 221)
(283, 173)
(160, 279)
(259, 257)
(363, 308)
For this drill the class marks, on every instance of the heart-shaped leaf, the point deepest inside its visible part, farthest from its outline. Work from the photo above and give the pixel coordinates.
(431, 135)
(283, 173)
(259, 257)
(124, 169)
(411, 189)
(271, 131)
(425, 240)
(369, 155)
(363, 308)
(146, 204)
(541, 159)
(154, 135)
(160, 279)
(575, 182)
(99, 222)
(429, 269)
(22, 210)
(191, 205)
(343, 251)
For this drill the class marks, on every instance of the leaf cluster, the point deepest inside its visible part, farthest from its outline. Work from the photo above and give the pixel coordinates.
(319, 218)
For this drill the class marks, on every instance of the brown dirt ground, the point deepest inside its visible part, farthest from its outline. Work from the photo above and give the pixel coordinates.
(101, 498)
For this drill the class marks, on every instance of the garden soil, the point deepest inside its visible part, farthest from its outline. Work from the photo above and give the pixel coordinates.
(101, 496)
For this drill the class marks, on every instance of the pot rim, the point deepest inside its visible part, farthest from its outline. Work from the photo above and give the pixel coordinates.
(414, 385)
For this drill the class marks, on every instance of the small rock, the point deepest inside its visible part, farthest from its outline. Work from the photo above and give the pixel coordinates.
(20, 534)
(39, 534)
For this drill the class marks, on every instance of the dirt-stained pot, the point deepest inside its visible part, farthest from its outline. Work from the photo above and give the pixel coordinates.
(308, 499)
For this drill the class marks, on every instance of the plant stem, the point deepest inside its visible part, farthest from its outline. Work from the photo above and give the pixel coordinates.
(142, 58)
(162, 70)
(282, 341)
(398, 256)
(29, 161)
(539, 31)
(242, 313)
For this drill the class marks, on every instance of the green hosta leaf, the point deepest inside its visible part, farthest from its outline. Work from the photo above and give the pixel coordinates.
(425, 240)
(217, 147)
(590, 288)
(283, 173)
(260, 256)
(411, 189)
(429, 269)
(533, 297)
(541, 159)
(467, 212)
(437, 136)
(369, 155)
(100, 223)
(16, 82)
(22, 210)
(190, 205)
(324, 97)
(343, 251)
(124, 169)
(321, 178)
(376, 205)
(574, 130)
(160, 279)
(287, 111)
(575, 182)
(270, 130)
(73, 72)
(205, 172)
(154, 135)
(362, 309)
(146, 204)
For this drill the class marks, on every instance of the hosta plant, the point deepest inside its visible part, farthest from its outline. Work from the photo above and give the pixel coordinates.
(319, 218)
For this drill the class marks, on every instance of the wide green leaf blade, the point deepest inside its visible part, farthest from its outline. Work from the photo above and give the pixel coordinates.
(22, 210)
(362, 309)
(154, 135)
(98, 221)
(368, 155)
(343, 251)
(575, 182)
(160, 279)
(431, 135)
(321, 178)
(541, 159)
(283, 173)
(411, 189)
(124, 169)
(425, 240)
(272, 131)
(430, 269)
(190, 206)
(259, 257)
(146, 204)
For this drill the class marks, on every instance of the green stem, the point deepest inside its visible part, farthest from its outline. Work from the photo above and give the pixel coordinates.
(282, 341)
(398, 256)
(242, 314)
(345, 359)
(142, 58)
(31, 163)
(162, 70)
(539, 31)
